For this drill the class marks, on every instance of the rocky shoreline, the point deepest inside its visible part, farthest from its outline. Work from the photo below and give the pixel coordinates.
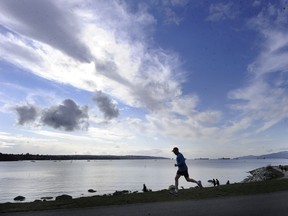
(265, 173)
(68, 197)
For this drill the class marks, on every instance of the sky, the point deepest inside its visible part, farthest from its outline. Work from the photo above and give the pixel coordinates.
(111, 77)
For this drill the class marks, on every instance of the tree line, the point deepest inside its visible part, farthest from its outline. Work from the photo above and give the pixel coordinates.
(33, 157)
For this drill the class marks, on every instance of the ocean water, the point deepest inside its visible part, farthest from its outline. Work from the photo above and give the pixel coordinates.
(53, 178)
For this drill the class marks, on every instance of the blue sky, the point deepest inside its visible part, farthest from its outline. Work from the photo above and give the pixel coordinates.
(140, 77)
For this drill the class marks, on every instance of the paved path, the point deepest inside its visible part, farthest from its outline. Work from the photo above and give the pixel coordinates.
(274, 204)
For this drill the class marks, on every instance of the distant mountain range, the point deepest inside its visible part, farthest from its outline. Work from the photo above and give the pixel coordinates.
(278, 155)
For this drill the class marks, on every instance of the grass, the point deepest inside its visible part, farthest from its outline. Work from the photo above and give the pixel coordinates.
(237, 189)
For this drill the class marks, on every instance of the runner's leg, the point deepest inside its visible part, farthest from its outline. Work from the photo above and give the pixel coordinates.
(176, 181)
(193, 181)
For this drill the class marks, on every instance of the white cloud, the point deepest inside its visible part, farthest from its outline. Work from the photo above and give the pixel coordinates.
(94, 141)
(221, 11)
(112, 134)
(172, 17)
(192, 127)
(184, 106)
(274, 55)
(264, 100)
(273, 15)
(173, 11)
(263, 104)
(102, 53)
(123, 66)
(20, 143)
(181, 3)
(208, 118)
(256, 3)
(48, 23)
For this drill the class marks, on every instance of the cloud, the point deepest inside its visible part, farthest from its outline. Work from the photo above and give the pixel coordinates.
(17, 50)
(273, 15)
(221, 11)
(271, 23)
(109, 69)
(68, 116)
(106, 106)
(126, 66)
(185, 105)
(46, 22)
(264, 100)
(26, 114)
(256, 3)
(125, 63)
(173, 11)
(172, 17)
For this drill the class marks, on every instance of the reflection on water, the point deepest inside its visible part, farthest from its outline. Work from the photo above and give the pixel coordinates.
(52, 178)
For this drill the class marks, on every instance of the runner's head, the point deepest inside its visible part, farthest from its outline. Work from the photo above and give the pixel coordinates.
(175, 150)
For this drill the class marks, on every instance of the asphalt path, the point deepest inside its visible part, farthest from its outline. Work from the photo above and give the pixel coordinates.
(274, 204)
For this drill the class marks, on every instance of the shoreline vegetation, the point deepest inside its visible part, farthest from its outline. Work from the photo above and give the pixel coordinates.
(262, 180)
(33, 157)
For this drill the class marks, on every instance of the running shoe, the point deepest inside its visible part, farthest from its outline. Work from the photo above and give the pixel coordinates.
(199, 184)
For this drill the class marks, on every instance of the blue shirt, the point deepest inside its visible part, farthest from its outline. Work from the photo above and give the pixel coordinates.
(181, 162)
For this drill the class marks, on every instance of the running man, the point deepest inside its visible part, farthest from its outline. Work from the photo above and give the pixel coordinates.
(182, 169)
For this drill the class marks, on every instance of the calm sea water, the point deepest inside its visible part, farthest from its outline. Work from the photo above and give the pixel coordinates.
(48, 178)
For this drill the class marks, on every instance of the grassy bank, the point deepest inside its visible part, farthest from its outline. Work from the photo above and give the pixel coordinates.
(187, 194)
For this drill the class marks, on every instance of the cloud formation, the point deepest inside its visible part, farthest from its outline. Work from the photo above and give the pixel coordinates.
(221, 11)
(68, 116)
(264, 100)
(26, 114)
(127, 65)
(46, 22)
(106, 106)
(124, 62)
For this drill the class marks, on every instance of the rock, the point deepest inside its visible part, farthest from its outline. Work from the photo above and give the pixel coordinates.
(64, 197)
(46, 198)
(263, 173)
(91, 191)
(19, 198)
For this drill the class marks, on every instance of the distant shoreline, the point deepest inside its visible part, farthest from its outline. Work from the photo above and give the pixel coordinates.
(33, 157)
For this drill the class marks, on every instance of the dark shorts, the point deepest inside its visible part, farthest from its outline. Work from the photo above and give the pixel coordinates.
(183, 173)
